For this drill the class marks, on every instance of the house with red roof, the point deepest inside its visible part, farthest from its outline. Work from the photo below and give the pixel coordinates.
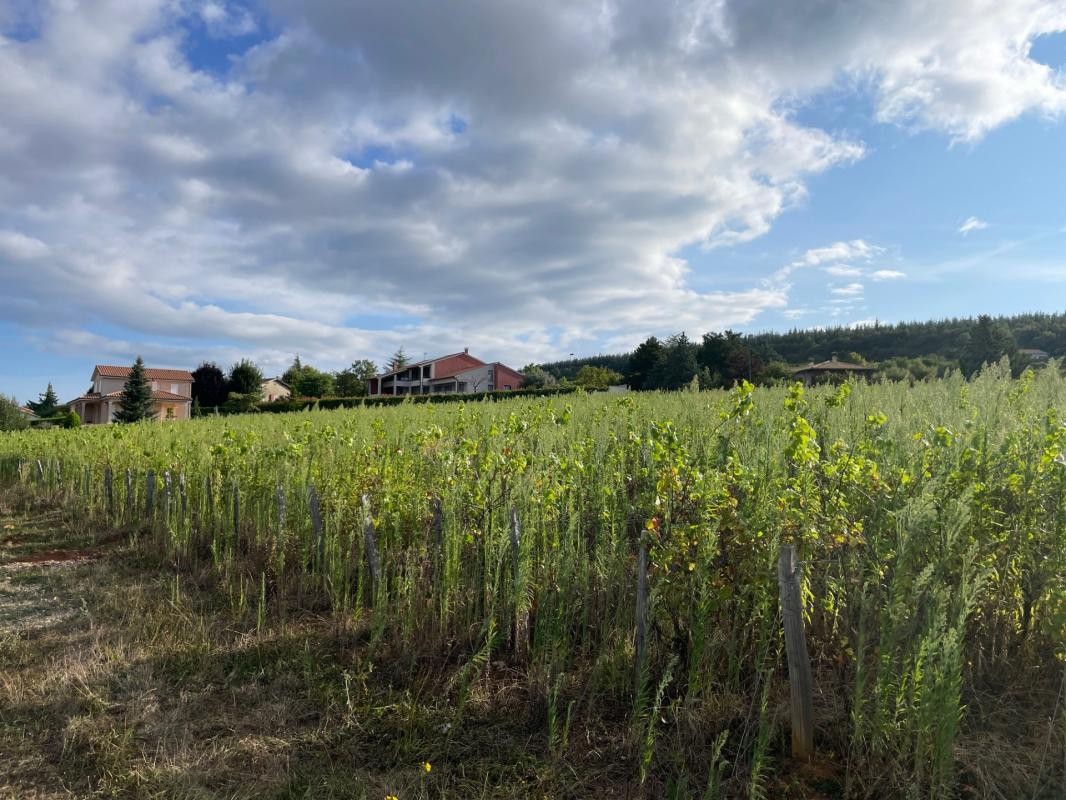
(171, 394)
(456, 373)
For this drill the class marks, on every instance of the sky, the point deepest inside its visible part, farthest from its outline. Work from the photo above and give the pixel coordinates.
(193, 180)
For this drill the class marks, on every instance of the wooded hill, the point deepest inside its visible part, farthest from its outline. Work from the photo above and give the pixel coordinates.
(902, 350)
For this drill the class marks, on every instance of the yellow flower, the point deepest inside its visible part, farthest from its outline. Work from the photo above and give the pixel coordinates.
(427, 766)
(391, 797)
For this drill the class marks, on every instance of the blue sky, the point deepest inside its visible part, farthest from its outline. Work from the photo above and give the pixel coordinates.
(211, 180)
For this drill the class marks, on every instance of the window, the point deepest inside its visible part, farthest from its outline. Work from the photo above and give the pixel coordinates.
(507, 387)
(155, 386)
(174, 389)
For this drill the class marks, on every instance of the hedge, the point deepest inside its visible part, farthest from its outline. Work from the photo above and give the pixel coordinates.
(299, 404)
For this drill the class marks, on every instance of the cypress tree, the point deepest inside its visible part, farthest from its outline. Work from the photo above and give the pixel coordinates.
(136, 396)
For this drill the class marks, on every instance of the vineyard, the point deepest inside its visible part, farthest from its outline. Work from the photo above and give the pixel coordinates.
(616, 557)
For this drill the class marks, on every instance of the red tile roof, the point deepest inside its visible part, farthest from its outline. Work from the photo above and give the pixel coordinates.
(413, 364)
(156, 395)
(107, 371)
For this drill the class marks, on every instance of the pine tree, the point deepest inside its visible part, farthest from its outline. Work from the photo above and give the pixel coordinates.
(47, 403)
(136, 395)
(399, 360)
(293, 373)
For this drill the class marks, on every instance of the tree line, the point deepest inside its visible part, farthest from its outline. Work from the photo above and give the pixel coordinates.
(903, 351)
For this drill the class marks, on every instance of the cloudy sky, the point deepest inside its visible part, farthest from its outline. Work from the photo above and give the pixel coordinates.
(203, 179)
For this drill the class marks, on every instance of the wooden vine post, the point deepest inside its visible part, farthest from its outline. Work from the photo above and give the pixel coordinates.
(129, 493)
(521, 615)
(149, 496)
(317, 527)
(109, 492)
(799, 664)
(370, 542)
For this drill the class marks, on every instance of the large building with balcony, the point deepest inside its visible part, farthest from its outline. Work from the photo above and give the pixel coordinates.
(458, 373)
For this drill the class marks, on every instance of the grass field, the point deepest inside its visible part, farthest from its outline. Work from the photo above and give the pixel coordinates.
(345, 596)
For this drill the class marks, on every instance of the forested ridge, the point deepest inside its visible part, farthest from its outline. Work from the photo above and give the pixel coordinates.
(901, 350)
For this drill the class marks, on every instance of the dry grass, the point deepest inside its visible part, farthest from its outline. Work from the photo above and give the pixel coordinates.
(116, 680)
(121, 678)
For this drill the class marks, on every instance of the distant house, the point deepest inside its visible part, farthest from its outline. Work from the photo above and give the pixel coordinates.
(275, 389)
(832, 370)
(458, 373)
(28, 413)
(1034, 354)
(171, 394)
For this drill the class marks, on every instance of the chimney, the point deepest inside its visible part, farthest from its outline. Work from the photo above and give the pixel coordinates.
(835, 357)
(466, 350)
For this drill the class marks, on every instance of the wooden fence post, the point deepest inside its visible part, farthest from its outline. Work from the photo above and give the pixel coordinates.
(640, 632)
(799, 665)
(183, 494)
(40, 473)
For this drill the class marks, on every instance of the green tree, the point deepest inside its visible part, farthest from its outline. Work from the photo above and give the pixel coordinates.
(354, 381)
(310, 382)
(136, 399)
(590, 377)
(535, 377)
(290, 375)
(728, 358)
(643, 362)
(987, 343)
(399, 360)
(46, 405)
(11, 416)
(677, 367)
(209, 385)
(72, 420)
(245, 379)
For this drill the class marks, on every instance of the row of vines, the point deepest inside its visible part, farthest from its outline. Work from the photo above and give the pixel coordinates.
(930, 520)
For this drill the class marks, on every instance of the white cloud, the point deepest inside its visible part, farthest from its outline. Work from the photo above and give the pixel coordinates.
(972, 224)
(868, 322)
(20, 247)
(830, 259)
(843, 270)
(362, 179)
(887, 275)
(849, 290)
(224, 20)
(857, 249)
